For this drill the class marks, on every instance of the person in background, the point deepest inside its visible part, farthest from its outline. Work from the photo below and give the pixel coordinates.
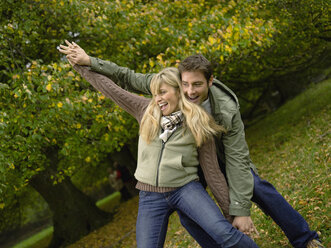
(126, 180)
(115, 180)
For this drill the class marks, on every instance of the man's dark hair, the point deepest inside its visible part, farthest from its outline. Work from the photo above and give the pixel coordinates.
(196, 63)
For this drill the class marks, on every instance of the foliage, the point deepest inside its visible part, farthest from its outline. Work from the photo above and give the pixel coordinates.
(10, 217)
(246, 40)
(44, 110)
(93, 181)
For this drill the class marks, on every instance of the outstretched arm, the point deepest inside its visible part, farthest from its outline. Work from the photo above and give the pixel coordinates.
(122, 76)
(75, 54)
(131, 103)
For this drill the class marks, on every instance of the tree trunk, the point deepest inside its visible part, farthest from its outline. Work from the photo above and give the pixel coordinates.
(125, 158)
(127, 165)
(74, 213)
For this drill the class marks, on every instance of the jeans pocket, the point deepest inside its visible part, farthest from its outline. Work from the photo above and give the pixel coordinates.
(143, 194)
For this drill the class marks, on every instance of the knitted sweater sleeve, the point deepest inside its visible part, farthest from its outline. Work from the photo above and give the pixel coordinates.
(131, 103)
(214, 176)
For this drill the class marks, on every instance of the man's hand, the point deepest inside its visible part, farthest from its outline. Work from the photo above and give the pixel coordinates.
(75, 54)
(245, 225)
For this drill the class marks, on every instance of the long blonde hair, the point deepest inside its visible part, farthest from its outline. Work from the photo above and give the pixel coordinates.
(201, 124)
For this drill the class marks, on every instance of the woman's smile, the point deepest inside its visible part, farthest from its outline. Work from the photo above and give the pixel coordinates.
(167, 99)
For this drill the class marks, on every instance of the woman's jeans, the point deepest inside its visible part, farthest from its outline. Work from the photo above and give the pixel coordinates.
(192, 200)
(273, 204)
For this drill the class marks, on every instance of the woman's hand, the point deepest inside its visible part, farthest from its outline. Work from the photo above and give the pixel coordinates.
(75, 54)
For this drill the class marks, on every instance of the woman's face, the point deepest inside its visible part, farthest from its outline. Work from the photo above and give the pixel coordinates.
(167, 99)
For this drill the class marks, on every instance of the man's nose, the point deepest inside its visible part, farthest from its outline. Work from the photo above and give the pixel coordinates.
(190, 90)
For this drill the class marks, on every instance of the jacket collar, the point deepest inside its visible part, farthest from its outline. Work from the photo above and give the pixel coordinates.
(219, 95)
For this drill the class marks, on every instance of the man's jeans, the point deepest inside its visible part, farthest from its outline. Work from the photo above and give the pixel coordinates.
(193, 200)
(273, 204)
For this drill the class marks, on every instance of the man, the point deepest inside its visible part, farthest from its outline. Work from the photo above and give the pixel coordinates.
(245, 185)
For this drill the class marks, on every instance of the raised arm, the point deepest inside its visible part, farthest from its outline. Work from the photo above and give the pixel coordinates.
(131, 103)
(122, 76)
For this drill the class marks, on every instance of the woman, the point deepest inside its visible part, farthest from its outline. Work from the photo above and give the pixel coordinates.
(174, 134)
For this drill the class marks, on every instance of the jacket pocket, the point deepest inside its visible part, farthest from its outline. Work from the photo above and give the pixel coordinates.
(171, 170)
(147, 164)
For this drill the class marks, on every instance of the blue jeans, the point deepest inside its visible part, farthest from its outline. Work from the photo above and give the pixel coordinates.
(273, 204)
(193, 200)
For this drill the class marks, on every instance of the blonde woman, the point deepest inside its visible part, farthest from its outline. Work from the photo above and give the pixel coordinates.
(175, 136)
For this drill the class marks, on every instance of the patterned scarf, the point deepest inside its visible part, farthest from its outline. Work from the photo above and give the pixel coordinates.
(169, 124)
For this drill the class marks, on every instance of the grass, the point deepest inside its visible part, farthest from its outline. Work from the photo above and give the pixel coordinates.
(291, 148)
(110, 202)
(35, 239)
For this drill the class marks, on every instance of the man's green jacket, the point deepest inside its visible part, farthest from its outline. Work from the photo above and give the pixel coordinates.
(232, 146)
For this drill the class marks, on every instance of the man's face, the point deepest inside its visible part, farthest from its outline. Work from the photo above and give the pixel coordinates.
(195, 86)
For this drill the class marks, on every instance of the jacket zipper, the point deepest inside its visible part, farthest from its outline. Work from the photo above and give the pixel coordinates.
(158, 165)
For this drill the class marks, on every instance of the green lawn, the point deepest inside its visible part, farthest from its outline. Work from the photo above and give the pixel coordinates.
(291, 149)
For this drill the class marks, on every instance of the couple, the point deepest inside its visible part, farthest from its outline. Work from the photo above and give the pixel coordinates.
(198, 86)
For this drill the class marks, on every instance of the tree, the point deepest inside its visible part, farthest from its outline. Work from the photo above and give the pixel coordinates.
(50, 128)
(249, 42)
(52, 123)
